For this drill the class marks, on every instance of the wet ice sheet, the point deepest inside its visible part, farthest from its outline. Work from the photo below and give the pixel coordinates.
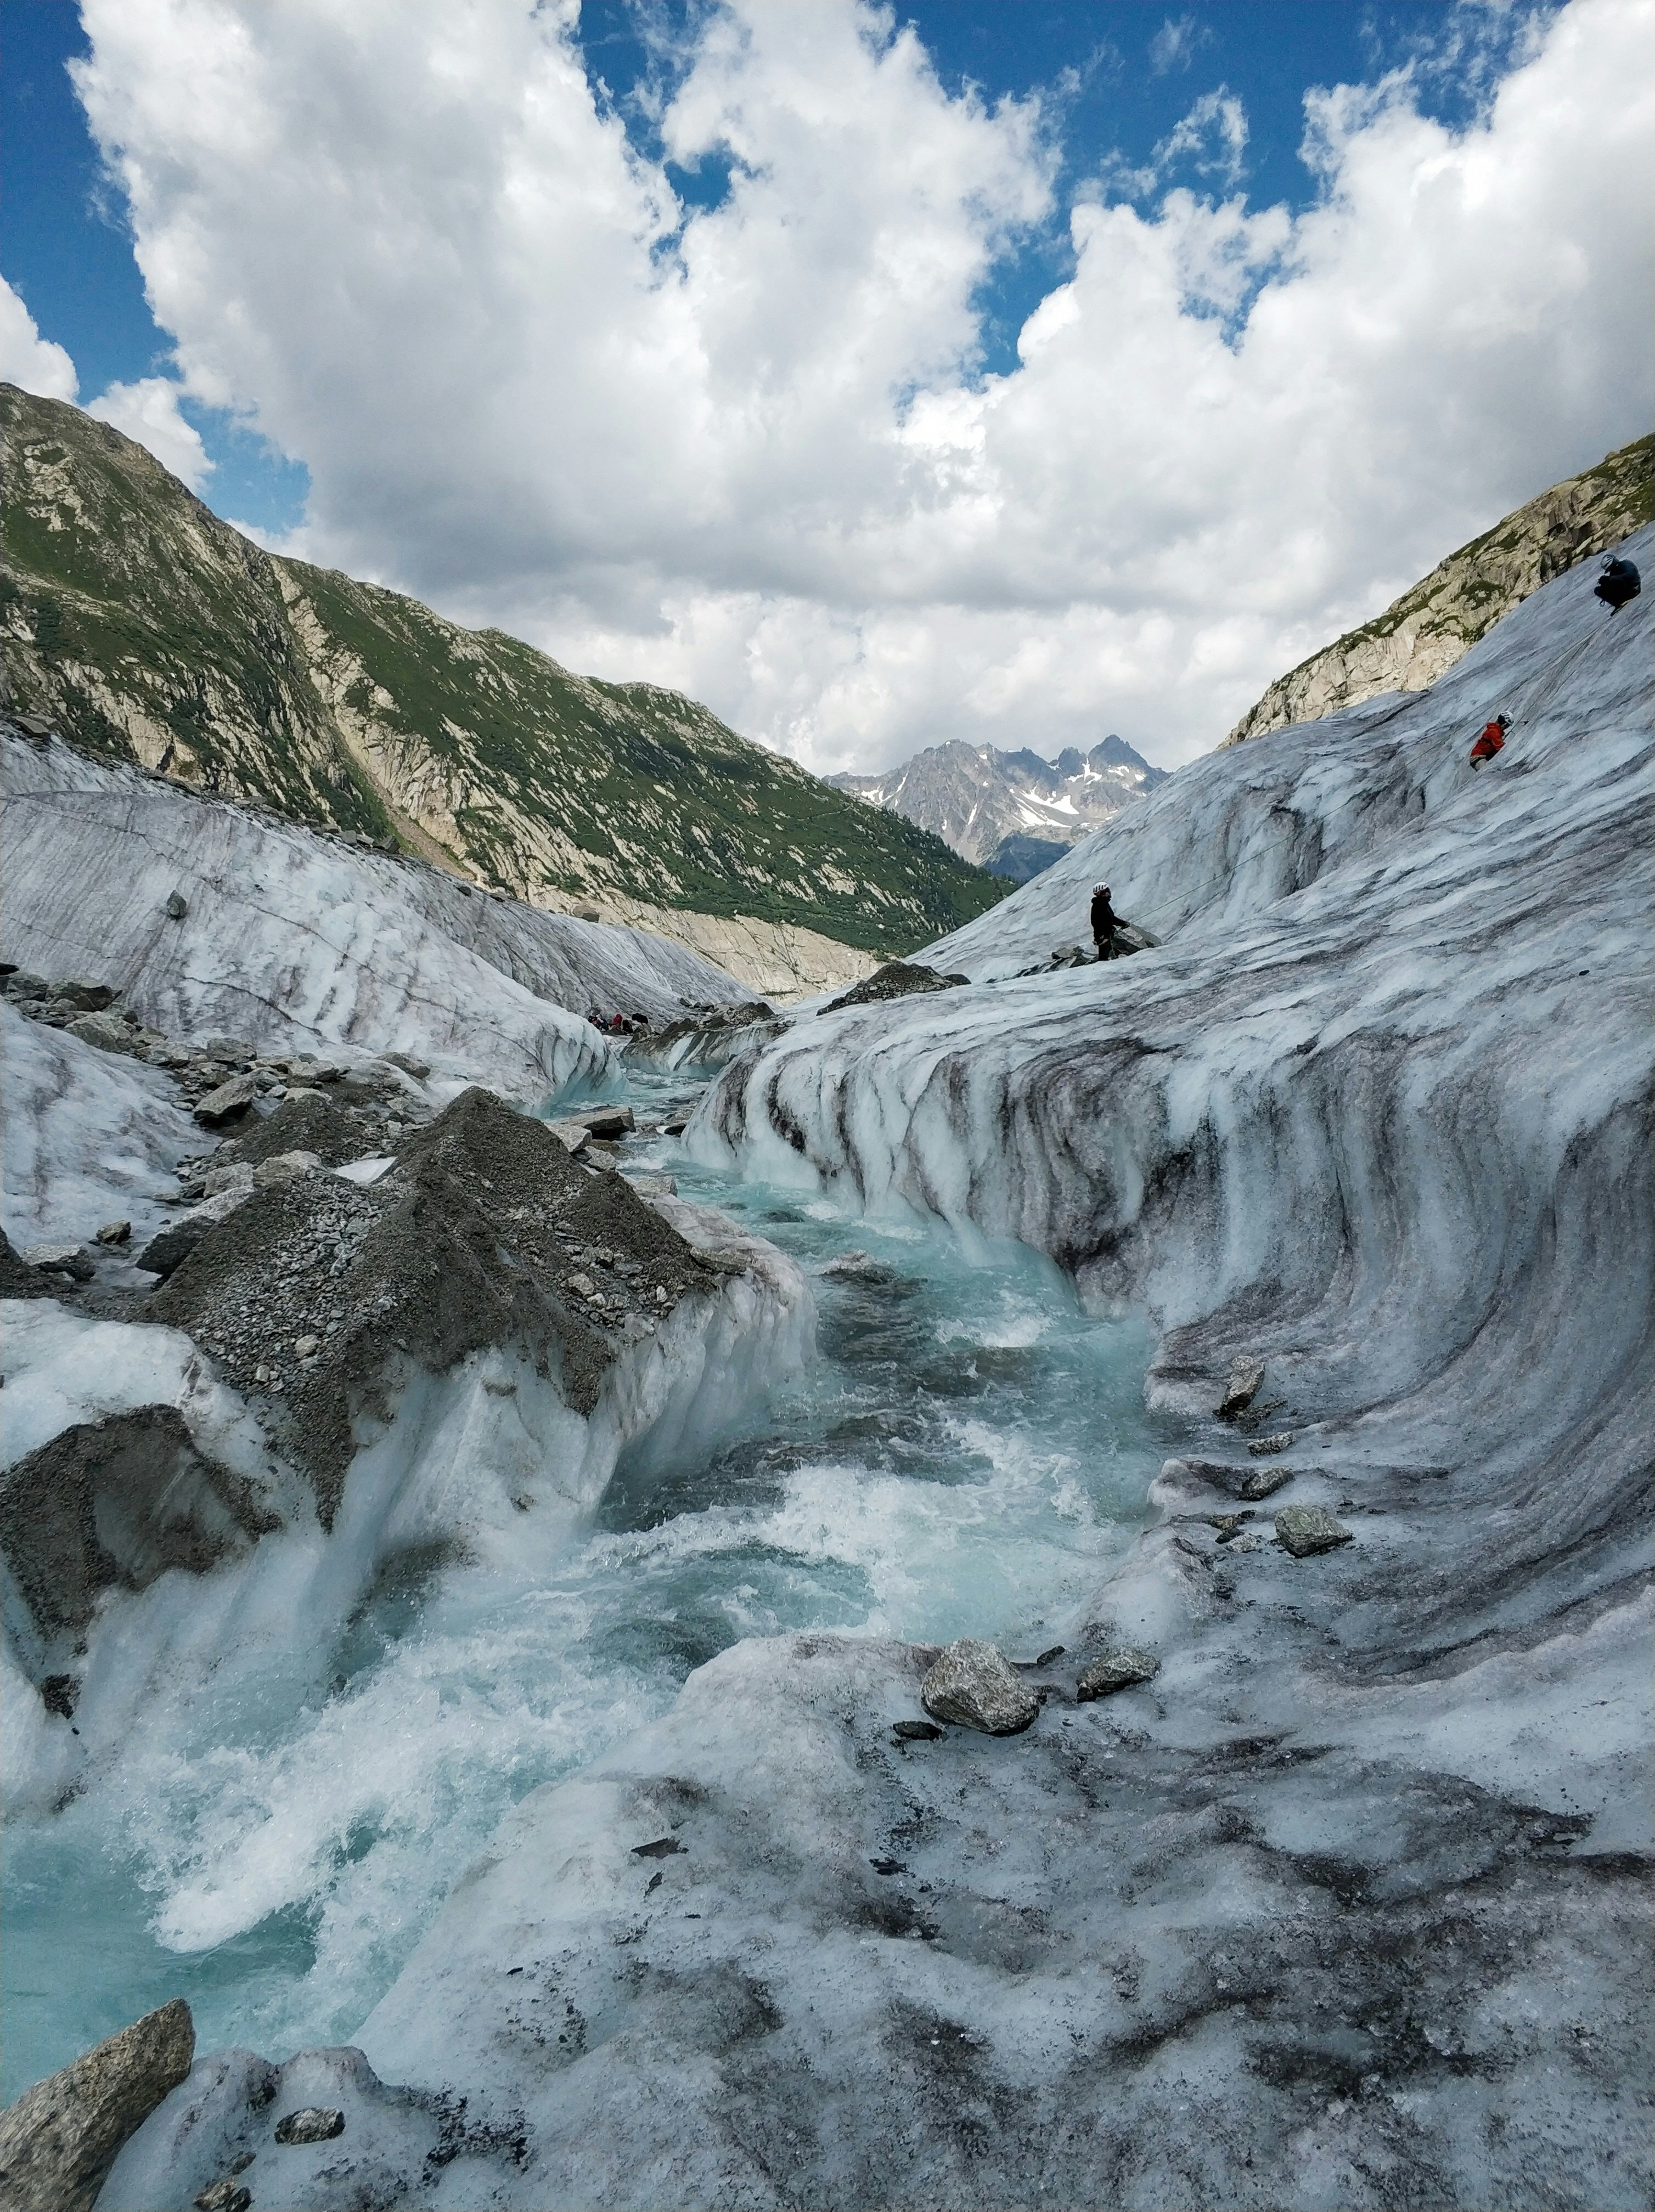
(966, 1455)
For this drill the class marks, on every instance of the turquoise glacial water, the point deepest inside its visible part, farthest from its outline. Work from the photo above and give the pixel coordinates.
(966, 1455)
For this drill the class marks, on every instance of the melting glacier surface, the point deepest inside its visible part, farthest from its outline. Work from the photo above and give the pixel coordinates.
(967, 1452)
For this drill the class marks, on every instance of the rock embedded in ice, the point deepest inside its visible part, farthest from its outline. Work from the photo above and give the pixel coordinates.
(114, 1232)
(115, 1503)
(226, 2196)
(974, 1685)
(311, 2124)
(1306, 1530)
(1120, 1668)
(1267, 1446)
(1246, 1379)
(176, 906)
(916, 1731)
(1264, 1482)
(228, 1100)
(59, 2140)
(606, 1122)
(62, 1259)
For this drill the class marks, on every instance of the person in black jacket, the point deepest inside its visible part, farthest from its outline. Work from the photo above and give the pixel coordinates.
(1619, 582)
(1103, 921)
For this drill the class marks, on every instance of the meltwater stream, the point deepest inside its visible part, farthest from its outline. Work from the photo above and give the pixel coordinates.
(967, 1452)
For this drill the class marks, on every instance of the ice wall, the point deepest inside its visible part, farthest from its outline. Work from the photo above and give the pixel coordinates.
(293, 940)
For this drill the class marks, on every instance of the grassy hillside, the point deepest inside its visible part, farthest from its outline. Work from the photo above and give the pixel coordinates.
(143, 626)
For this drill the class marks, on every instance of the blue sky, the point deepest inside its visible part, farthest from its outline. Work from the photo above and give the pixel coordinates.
(1007, 369)
(1116, 75)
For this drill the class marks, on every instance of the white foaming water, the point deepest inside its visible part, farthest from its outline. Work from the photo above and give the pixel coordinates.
(966, 1454)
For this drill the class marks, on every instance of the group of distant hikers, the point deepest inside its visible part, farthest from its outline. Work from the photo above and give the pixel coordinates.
(1618, 583)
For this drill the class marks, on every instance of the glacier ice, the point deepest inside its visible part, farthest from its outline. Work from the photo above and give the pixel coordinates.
(1348, 1904)
(294, 940)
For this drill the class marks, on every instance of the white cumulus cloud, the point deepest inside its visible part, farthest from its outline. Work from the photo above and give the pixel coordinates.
(25, 358)
(148, 410)
(749, 449)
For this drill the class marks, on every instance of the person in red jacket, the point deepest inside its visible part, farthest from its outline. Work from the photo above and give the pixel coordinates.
(1491, 741)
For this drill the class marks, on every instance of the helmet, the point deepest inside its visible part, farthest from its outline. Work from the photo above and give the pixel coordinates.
(1100, 887)
(1505, 721)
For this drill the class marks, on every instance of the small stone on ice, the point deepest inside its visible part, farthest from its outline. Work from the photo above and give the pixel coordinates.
(114, 1232)
(308, 1346)
(177, 906)
(916, 1731)
(1304, 1529)
(1246, 1380)
(311, 2124)
(225, 2196)
(974, 1685)
(1263, 1480)
(73, 1260)
(1119, 1668)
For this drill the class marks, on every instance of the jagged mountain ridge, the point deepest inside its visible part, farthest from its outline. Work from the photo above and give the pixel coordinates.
(1012, 813)
(145, 628)
(1421, 634)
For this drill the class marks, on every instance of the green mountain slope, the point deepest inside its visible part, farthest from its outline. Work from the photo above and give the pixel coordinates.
(1424, 632)
(143, 626)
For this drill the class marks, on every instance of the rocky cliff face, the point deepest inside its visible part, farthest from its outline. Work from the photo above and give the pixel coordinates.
(1424, 632)
(1012, 813)
(145, 628)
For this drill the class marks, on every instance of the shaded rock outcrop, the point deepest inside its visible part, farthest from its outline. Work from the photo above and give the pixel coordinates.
(116, 1503)
(59, 2140)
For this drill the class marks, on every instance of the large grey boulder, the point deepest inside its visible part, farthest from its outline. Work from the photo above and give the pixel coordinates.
(172, 1246)
(59, 2140)
(975, 1685)
(226, 1102)
(118, 1502)
(64, 1258)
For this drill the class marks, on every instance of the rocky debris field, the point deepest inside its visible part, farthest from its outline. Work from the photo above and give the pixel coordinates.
(317, 1296)
(897, 979)
(706, 1039)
